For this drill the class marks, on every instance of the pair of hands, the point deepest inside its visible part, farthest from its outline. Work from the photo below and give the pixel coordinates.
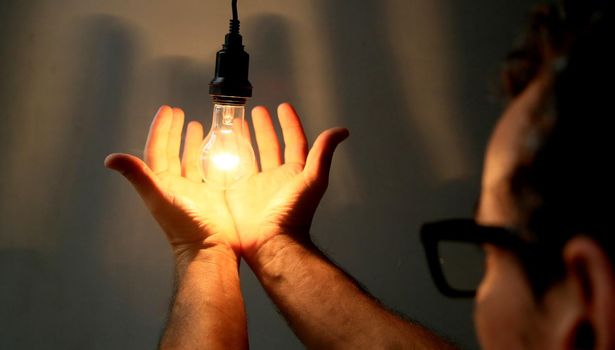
(279, 199)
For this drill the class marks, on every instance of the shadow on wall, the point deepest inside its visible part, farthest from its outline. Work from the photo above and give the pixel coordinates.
(105, 59)
(369, 93)
(271, 59)
(13, 14)
(63, 285)
(391, 152)
(183, 82)
(369, 96)
(370, 78)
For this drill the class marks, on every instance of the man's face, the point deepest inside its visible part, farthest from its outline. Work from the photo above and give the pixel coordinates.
(506, 314)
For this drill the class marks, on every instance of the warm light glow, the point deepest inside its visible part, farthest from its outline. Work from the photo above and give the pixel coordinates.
(225, 161)
(226, 153)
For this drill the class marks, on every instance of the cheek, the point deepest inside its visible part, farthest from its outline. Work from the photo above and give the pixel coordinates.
(503, 308)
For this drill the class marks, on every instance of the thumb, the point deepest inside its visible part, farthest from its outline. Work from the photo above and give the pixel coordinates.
(319, 158)
(137, 172)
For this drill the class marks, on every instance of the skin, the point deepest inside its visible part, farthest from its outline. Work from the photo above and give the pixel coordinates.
(208, 310)
(266, 220)
(504, 280)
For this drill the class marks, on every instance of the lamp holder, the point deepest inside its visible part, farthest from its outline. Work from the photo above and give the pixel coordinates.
(230, 84)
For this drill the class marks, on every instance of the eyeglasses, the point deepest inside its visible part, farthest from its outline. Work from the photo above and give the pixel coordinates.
(455, 253)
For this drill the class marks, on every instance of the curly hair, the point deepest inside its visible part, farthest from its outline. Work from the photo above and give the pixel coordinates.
(566, 187)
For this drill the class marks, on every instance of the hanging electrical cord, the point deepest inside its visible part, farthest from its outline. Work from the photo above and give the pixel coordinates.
(234, 6)
(234, 27)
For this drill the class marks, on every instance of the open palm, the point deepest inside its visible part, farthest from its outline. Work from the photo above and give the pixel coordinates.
(192, 214)
(282, 198)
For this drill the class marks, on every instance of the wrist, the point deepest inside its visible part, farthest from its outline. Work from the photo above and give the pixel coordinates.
(269, 238)
(276, 248)
(218, 254)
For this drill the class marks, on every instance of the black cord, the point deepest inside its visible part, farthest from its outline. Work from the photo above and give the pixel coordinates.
(234, 27)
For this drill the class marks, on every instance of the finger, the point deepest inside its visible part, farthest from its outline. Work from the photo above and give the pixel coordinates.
(192, 151)
(175, 140)
(318, 161)
(266, 139)
(140, 176)
(295, 142)
(157, 139)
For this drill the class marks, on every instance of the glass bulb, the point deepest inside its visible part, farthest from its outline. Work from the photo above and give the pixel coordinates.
(226, 155)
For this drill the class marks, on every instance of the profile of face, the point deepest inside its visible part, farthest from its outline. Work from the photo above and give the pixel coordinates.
(507, 314)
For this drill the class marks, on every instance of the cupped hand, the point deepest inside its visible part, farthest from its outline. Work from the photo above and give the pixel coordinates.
(282, 198)
(193, 215)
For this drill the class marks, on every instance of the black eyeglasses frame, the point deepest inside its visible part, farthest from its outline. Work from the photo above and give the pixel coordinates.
(468, 231)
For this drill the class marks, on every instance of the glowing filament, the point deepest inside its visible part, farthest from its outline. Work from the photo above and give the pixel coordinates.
(225, 161)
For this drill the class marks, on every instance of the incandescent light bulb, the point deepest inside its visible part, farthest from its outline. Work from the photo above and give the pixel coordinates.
(227, 154)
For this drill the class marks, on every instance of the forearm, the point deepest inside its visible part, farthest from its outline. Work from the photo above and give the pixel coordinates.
(325, 308)
(208, 310)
